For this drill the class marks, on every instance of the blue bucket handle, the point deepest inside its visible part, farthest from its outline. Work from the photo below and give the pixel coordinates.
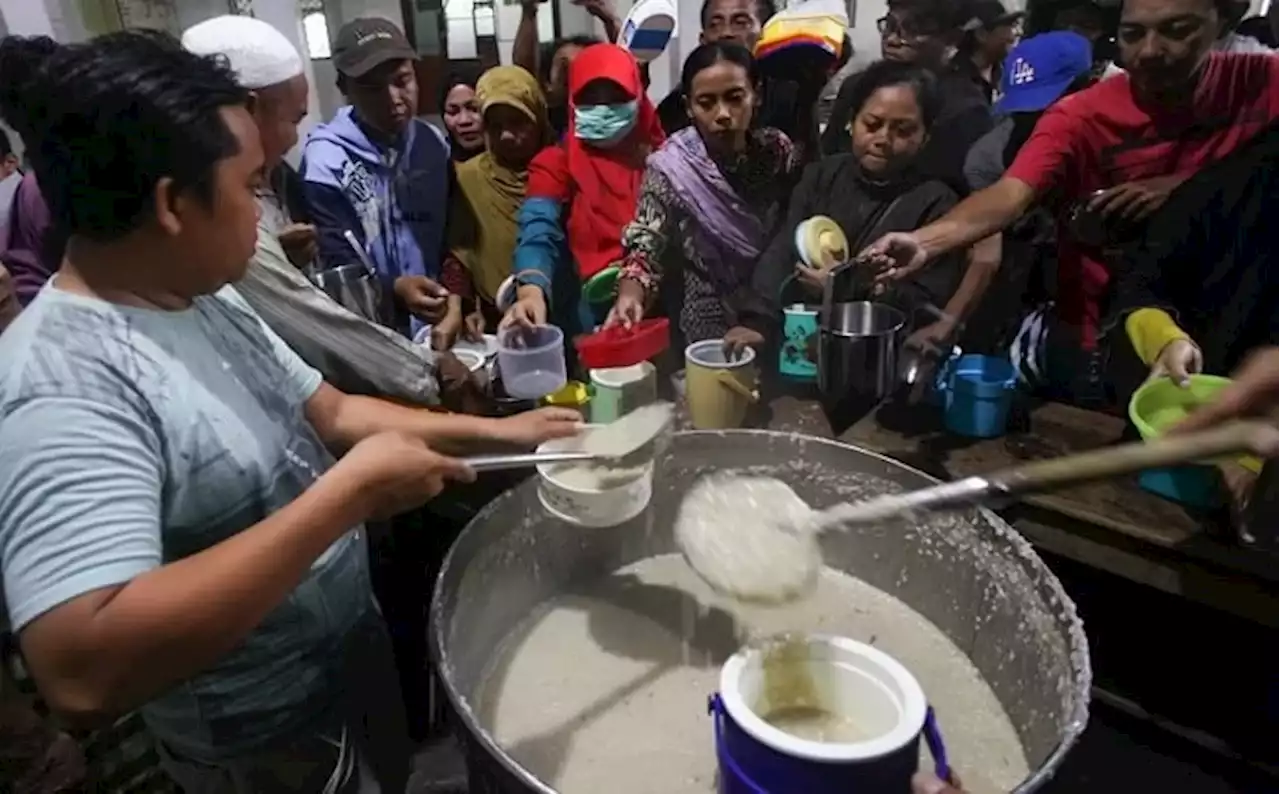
(945, 378)
(932, 738)
(946, 371)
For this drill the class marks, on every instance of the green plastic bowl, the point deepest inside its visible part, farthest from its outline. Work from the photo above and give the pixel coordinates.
(1160, 404)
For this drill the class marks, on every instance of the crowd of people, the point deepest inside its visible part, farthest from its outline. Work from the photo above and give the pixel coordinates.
(191, 447)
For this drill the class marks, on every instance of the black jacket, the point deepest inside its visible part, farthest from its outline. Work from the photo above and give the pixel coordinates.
(836, 188)
(1209, 257)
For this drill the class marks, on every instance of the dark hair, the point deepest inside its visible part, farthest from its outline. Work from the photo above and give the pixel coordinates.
(711, 53)
(764, 10)
(548, 52)
(884, 74)
(941, 17)
(6, 145)
(1259, 29)
(105, 120)
(452, 81)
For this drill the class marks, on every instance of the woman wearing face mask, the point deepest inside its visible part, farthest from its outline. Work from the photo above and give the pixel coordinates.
(462, 121)
(875, 188)
(583, 192)
(714, 191)
(483, 225)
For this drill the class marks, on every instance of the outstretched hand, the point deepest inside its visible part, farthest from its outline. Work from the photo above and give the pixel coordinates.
(1252, 393)
(894, 256)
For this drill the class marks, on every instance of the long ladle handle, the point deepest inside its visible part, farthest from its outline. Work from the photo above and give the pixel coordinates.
(525, 460)
(1229, 439)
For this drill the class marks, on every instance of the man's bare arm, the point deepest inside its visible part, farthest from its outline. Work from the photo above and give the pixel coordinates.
(113, 649)
(979, 216)
(984, 263)
(524, 48)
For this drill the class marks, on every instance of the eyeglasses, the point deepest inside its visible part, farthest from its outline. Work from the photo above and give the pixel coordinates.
(907, 29)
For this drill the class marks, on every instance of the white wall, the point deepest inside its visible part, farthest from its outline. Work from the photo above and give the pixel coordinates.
(192, 12)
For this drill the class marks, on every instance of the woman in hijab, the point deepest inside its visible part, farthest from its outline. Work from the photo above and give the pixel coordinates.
(873, 189)
(583, 192)
(714, 190)
(483, 223)
(462, 119)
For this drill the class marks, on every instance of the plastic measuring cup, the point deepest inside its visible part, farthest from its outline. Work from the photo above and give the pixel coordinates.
(531, 361)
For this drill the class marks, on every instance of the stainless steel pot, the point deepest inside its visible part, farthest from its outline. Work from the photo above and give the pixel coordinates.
(356, 287)
(858, 347)
(972, 576)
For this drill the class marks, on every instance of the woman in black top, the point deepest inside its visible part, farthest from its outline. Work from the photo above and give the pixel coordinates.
(873, 189)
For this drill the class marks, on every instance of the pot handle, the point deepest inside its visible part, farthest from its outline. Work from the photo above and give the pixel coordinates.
(731, 383)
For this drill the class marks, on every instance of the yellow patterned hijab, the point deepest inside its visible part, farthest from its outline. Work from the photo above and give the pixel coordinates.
(483, 235)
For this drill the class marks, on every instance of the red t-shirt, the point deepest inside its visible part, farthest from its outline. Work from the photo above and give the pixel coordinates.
(1099, 138)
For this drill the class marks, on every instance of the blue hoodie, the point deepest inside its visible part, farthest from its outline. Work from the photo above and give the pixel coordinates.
(394, 199)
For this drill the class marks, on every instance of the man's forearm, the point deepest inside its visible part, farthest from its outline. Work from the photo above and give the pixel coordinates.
(354, 418)
(984, 263)
(113, 650)
(524, 48)
(980, 215)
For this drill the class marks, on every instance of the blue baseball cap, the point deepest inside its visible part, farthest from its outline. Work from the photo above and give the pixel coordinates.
(1040, 69)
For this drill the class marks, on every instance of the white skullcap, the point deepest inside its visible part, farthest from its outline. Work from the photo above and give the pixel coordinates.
(259, 54)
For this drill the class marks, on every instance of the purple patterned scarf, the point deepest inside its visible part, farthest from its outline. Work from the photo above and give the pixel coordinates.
(727, 234)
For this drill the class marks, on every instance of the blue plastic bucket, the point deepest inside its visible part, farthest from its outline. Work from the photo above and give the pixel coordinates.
(1195, 485)
(876, 692)
(978, 392)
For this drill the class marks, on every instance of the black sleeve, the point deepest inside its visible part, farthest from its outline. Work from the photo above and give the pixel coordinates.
(760, 307)
(949, 144)
(332, 214)
(938, 281)
(1141, 276)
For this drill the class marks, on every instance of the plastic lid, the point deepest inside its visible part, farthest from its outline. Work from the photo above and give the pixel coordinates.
(821, 243)
(601, 287)
(620, 347)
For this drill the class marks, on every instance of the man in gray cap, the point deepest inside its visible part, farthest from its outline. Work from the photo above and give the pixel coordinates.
(379, 172)
(353, 353)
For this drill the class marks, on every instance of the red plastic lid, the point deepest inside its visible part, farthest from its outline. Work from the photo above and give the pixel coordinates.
(620, 347)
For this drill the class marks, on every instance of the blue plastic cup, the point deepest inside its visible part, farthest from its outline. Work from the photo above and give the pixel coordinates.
(979, 391)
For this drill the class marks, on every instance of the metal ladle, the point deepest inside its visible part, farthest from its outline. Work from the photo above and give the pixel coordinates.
(759, 542)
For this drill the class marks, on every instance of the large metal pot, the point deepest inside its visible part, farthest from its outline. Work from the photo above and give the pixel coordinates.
(858, 346)
(979, 582)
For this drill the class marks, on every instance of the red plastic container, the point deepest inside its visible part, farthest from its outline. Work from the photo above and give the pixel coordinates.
(620, 347)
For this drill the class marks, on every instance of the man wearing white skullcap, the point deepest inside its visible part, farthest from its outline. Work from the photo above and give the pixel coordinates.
(268, 64)
(353, 353)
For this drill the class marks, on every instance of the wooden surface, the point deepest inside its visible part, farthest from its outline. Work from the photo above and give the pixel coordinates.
(1113, 526)
(1054, 430)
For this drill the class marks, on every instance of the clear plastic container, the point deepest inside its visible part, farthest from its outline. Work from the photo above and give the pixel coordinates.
(531, 361)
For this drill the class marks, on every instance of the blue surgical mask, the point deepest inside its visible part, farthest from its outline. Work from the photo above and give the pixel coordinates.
(604, 125)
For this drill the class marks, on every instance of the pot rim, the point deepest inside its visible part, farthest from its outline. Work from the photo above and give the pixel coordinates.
(1072, 723)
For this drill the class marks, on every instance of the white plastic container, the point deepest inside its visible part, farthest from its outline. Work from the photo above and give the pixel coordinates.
(648, 29)
(591, 507)
(849, 678)
(531, 361)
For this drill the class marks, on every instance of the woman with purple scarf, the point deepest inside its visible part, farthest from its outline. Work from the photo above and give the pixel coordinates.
(708, 205)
